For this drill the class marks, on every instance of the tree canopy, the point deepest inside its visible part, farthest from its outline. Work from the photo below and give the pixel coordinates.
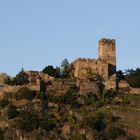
(133, 77)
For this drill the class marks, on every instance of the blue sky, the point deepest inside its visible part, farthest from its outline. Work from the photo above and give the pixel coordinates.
(36, 33)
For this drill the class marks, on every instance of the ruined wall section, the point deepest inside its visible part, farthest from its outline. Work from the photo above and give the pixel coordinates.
(81, 65)
(104, 66)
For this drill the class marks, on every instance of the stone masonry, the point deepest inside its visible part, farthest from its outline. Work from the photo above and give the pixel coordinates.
(104, 66)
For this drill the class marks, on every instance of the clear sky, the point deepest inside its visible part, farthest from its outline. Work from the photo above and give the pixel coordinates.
(36, 33)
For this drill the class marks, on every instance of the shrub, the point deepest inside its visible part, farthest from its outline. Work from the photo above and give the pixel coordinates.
(90, 98)
(25, 93)
(12, 112)
(126, 99)
(50, 70)
(96, 122)
(47, 123)
(21, 78)
(133, 77)
(75, 104)
(109, 95)
(65, 66)
(69, 98)
(1, 134)
(4, 103)
(78, 137)
(113, 132)
(8, 95)
(29, 121)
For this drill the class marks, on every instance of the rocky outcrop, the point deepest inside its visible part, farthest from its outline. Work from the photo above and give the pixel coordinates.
(3, 77)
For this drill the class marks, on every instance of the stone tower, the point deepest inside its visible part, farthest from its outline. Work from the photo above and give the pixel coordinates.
(107, 54)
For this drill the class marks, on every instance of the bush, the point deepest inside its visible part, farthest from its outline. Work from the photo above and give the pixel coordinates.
(29, 121)
(4, 103)
(75, 104)
(133, 77)
(126, 99)
(68, 98)
(109, 95)
(25, 93)
(90, 98)
(12, 112)
(113, 132)
(1, 134)
(96, 122)
(20, 79)
(47, 123)
(50, 70)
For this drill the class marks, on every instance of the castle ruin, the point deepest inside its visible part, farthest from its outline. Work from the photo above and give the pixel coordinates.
(104, 67)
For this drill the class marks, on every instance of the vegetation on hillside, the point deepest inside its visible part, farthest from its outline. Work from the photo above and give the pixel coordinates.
(105, 115)
(20, 79)
(88, 112)
(131, 76)
(64, 71)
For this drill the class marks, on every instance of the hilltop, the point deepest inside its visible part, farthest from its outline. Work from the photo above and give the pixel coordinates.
(83, 100)
(35, 105)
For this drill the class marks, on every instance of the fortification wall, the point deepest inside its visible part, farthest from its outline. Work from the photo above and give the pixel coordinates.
(107, 51)
(81, 66)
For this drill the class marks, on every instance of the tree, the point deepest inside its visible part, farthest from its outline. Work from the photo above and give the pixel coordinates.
(120, 75)
(12, 112)
(112, 132)
(133, 77)
(96, 122)
(29, 121)
(26, 93)
(4, 103)
(1, 134)
(65, 66)
(21, 78)
(90, 74)
(50, 70)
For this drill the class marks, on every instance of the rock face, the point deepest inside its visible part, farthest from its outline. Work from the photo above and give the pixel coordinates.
(66, 130)
(90, 134)
(3, 77)
(14, 134)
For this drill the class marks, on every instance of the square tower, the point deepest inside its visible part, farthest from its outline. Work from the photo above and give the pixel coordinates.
(107, 54)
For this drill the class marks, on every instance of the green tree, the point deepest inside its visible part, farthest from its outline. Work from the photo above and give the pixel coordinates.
(90, 74)
(1, 134)
(50, 70)
(65, 66)
(25, 93)
(12, 112)
(96, 122)
(120, 75)
(112, 132)
(133, 77)
(21, 78)
(29, 121)
(47, 123)
(4, 103)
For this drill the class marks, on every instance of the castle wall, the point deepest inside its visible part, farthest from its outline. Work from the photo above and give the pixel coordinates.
(81, 66)
(104, 66)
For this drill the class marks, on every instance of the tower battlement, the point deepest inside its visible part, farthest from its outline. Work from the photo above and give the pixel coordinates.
(106, 41)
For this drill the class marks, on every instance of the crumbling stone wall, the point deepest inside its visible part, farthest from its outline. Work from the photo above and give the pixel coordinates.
(104, 66)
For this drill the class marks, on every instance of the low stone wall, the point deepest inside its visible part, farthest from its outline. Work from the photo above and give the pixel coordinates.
(124, 86)
(86, 87)
(134, 90)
